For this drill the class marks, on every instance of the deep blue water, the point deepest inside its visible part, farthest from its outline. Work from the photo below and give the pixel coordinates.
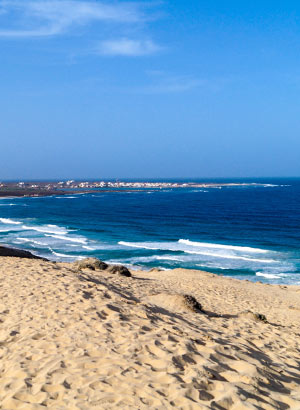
(250, 231)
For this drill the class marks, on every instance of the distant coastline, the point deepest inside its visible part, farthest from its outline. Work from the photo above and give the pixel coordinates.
(39, 189)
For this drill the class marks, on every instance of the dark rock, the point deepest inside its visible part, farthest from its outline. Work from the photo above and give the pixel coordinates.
(91, 263)
(119, 269)
(260, 317)
(192, 303)
(18, 253)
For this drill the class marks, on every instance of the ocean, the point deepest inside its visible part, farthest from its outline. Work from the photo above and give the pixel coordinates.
(250, 231)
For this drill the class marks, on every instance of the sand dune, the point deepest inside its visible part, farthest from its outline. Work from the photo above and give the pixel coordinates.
(74, 339)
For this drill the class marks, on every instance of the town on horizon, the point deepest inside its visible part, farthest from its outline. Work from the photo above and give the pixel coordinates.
(65, 187)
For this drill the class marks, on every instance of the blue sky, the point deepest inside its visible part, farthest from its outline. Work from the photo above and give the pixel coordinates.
(93, 89)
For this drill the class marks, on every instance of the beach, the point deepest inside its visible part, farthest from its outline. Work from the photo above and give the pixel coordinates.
(88, 339)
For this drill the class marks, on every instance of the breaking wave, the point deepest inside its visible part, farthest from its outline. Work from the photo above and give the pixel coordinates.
(9, 221)
(219, 246)
(268, 275)
(69, 238)
(62, 255)
(50, 229)
(213, 256)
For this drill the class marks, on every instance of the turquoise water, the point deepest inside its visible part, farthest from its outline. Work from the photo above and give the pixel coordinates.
(250, 231)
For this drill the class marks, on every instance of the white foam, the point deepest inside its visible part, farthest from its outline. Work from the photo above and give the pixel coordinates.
(207, 265)
(273, 185)
(30, 240)
(268, 275)
(62, 255)
(218, 255)
(185, 245)
(213, 256)
(219, 246)
(137, 260)
(69, 238)
(66, 197)
(24, 239)
(9, 221)
(51, 229)
(8, 204)
(137, 245)
(170, 258)
(154, 258)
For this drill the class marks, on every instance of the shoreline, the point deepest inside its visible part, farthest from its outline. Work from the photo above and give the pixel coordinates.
(9, 251)
(72, 336)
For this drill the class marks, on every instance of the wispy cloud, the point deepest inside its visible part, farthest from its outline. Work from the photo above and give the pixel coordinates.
(127, 47)
(38, 18)
(164, 83)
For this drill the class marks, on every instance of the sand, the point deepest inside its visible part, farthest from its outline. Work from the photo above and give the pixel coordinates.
(94, 340)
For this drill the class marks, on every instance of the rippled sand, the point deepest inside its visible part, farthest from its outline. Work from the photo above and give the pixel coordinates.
(93, 340)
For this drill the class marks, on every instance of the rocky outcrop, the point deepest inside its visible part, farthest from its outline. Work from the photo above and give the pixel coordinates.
(17, 253)
(174, 302)
(97, 264)
(91, 263)
(119, 269)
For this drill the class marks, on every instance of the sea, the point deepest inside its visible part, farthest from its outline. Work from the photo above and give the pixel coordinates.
(250, 230)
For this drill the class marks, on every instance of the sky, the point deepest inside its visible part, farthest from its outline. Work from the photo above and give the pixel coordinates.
(149, 89)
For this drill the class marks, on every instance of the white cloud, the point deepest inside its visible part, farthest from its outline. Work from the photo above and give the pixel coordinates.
(37, 18)
(127, 47)
(172, 84)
